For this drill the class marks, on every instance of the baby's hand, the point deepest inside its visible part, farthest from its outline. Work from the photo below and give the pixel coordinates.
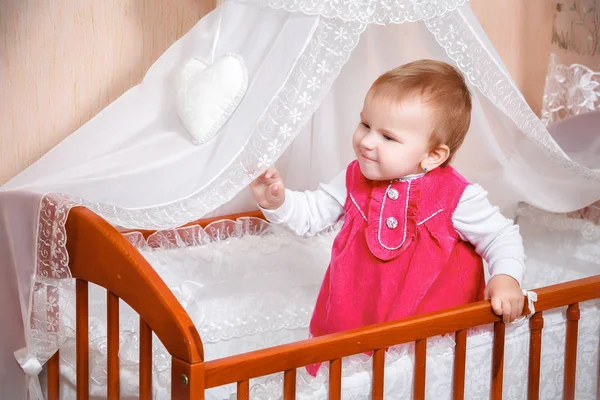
(507, 297)
(268, 190)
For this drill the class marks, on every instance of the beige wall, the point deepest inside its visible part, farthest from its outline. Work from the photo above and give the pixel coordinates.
(521, 31)
(62, 61)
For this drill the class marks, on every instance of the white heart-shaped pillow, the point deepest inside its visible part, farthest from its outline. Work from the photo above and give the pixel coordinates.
(208, 94)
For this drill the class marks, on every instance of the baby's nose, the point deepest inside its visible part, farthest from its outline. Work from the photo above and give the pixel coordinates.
(367, 143)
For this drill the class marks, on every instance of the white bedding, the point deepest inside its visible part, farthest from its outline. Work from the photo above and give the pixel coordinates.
(254, 285)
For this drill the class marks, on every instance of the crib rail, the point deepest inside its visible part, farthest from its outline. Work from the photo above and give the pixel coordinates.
(331, 348)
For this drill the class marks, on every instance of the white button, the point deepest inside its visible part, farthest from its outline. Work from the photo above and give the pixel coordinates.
(391, 222)
(393, 194)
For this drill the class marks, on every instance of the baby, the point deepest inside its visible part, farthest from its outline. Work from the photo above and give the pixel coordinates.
(415, 231)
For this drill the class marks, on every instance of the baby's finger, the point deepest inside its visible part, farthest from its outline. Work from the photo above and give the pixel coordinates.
(497, 305)
(506, 311)
(271, 173)
(520, 306)
(275, 189)
(516, 309)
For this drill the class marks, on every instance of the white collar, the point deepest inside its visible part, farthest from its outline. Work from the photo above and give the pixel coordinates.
(411, 177)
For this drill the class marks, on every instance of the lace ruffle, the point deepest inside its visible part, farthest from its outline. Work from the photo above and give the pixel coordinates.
(570, 90)
(52, 290)
(585, 221)
(369, 11)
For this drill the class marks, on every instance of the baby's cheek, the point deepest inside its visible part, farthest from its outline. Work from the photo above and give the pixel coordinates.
(356, 138)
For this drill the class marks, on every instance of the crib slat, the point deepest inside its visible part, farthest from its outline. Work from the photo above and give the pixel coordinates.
(498, 361)
(145, 360)
(243, 390)
(289, 384)
(460, 358)
(82, 339)
(53, 377)
(378, 374)
(420, 368)
(335, 379)
(573, 315)
(536, 324)
(112, 312)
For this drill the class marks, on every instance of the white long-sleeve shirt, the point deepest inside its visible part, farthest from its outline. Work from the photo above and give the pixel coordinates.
(495, 238)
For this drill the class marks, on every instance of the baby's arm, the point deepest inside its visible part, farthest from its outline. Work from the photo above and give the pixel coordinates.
(305, 213)
(498, 241)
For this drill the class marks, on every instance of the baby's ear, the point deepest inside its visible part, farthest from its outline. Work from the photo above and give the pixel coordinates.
(436, 157)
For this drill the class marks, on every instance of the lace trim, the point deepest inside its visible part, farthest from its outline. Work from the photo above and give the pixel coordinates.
(453, 33)
(224, 230)
(368, 11)
(586, 221)
(52, 289)
(570, 90)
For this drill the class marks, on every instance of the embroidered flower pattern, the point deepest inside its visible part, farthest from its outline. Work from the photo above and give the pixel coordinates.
(570, 90)
(285, 130)
(304, 100)
(274, 146)
(295, 115)
(369, 11)
(314, 84)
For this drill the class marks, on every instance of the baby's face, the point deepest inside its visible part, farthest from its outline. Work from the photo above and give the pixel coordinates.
(393, 137)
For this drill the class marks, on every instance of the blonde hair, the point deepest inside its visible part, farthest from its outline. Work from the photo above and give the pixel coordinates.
(443, 88)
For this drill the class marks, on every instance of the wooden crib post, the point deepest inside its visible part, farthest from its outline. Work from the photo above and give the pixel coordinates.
(460, 359)
(145, 361)
(54, 377)
(335, 379)
(112, 337)
(536, 324)
(187, 380)
(420, 369)
(498, 361)
(82, 339)
(243, 390)
(289, 384)
(378, 374)
(573, 315)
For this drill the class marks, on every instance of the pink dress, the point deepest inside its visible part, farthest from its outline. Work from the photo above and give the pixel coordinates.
(397, 254)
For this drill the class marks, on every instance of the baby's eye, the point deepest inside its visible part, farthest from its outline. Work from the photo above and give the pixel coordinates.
(387, 137)
(365, 125)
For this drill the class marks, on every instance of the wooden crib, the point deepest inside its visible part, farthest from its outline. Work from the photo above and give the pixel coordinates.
(101, 255)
